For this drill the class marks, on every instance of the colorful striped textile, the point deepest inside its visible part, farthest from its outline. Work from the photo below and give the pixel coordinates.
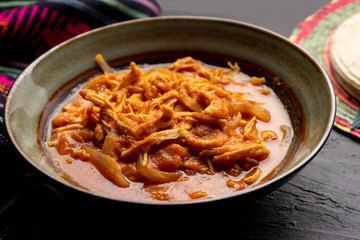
(28, 29)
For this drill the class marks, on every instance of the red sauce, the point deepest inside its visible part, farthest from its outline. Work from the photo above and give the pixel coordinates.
(217, 175)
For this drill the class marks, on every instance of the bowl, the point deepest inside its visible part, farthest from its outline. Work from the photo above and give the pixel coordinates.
(304, 81)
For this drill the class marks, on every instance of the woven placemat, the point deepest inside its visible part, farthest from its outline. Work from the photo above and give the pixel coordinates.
(314, 34)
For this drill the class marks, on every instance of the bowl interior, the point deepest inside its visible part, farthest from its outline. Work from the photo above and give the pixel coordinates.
(311, 90)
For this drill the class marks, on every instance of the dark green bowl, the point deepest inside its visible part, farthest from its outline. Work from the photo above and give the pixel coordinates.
(299, 71)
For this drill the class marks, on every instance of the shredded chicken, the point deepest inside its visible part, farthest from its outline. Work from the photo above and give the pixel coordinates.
(174, 117)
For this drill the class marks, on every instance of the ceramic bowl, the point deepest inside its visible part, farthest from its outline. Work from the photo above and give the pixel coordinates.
(304, 78)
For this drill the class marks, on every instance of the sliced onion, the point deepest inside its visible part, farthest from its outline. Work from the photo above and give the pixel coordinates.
(155, 175)
(251, 108)
(153, 139)
(103, 65)
(108, 166)
(288, 134)
(109, 145)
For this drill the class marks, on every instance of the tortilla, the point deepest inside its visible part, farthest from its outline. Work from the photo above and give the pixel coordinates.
(345, 55)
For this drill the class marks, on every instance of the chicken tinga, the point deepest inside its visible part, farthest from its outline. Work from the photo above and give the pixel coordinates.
(174, 132)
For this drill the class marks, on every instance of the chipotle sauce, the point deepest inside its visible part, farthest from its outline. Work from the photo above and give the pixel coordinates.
(198, 155)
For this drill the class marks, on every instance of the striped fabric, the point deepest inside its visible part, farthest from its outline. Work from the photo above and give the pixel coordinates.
(29, 28)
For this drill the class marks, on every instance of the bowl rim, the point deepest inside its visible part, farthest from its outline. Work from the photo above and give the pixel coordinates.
(242, 24)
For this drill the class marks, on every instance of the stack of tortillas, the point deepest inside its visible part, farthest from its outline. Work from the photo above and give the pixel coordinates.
(345, 55)
(332, 36)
